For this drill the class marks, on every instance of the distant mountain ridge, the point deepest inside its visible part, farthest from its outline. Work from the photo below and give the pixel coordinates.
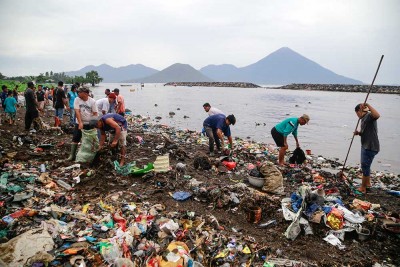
(284, 66)
(111, 74)
(175, 73)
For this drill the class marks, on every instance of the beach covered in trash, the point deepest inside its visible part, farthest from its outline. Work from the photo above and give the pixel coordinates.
(172, 205)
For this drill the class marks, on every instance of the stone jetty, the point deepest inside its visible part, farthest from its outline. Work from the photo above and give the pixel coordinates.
(214, 84)
(381, 89)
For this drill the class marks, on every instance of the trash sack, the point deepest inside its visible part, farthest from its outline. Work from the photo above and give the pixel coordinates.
(273, 178)
(21, 249)
(89, 146)
(298, 156)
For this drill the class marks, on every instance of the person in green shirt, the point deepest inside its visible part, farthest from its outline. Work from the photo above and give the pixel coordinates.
(10, 109)
(281, 131)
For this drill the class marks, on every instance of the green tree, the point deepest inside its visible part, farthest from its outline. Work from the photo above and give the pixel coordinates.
(51, 73)
(41, 78)
(93, 77)
(47, 74)
(2, 76)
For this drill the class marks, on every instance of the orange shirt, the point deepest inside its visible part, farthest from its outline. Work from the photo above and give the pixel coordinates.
(121, 104)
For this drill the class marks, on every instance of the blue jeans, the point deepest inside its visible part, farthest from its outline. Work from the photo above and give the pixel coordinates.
(72, 116)
(60, 113)
(367, 156)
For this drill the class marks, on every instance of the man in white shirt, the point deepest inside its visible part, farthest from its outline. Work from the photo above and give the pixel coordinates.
(103, 105)
(85, 111)
(211, 110)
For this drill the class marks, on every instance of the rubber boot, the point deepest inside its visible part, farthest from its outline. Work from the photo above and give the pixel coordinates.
(72, 156)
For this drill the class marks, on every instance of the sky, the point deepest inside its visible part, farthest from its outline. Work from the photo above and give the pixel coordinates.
(345, 36)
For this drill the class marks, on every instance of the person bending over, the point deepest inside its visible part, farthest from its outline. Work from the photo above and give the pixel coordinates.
(281, 131)
(217, 126)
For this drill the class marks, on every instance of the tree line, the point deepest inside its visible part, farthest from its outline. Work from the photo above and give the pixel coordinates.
(91, 77)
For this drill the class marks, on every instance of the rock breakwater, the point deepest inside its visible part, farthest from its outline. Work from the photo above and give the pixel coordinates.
(214, 84)
(381, 89)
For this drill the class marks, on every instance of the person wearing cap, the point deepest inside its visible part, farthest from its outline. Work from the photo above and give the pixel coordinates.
(281, 131)
(103, 104)
(85, 111)
(211, 110)
(117, 126)
(71, 99)
(369, 141)
(217, 126)
(120, 108)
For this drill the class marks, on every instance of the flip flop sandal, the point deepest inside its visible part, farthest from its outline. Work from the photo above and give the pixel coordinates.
(359, 193)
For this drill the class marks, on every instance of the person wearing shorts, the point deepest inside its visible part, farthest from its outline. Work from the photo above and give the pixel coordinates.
(10, 107)
(369, 141)
(85, 110)
(281, 131)
(118, 128)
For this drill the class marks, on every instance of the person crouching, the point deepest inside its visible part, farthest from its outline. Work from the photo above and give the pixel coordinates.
(118, 128)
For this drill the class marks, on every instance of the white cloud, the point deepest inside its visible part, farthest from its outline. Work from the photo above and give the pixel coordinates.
(347, 37)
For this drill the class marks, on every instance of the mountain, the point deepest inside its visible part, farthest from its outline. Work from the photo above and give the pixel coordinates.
(111, 74)
(283, 66)
(223, 73)
(175, 73)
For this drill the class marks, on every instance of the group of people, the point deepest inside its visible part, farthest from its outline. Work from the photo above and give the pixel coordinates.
(217, 125)
(100, 114)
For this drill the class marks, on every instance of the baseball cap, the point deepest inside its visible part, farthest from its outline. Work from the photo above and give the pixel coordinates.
(112, 95)
(306, 118)
(83, 90)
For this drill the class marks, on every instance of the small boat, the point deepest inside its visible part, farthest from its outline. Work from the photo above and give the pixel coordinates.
(125, 85)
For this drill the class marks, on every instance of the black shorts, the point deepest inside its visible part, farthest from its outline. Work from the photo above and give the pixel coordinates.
(278, 138)
(77, 134)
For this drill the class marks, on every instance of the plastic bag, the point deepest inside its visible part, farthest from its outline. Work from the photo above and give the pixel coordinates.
(89, 146)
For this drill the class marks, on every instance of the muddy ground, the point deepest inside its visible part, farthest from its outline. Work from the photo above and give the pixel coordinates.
(382, 246)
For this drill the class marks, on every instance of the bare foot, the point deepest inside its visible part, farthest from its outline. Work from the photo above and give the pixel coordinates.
(362, 190)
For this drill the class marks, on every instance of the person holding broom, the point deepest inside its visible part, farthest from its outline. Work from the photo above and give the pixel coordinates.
(369, 141)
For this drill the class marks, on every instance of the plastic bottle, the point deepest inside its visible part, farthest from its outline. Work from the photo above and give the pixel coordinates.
(393, 192)
(64, 184)
(42, 168)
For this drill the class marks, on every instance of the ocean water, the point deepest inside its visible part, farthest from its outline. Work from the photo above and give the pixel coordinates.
(257, 110)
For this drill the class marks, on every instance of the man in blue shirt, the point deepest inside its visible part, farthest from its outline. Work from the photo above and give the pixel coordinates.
(217, 126)
(281, 131)
(118, 128)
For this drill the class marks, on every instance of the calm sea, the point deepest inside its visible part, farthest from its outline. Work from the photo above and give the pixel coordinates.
(257, 110)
